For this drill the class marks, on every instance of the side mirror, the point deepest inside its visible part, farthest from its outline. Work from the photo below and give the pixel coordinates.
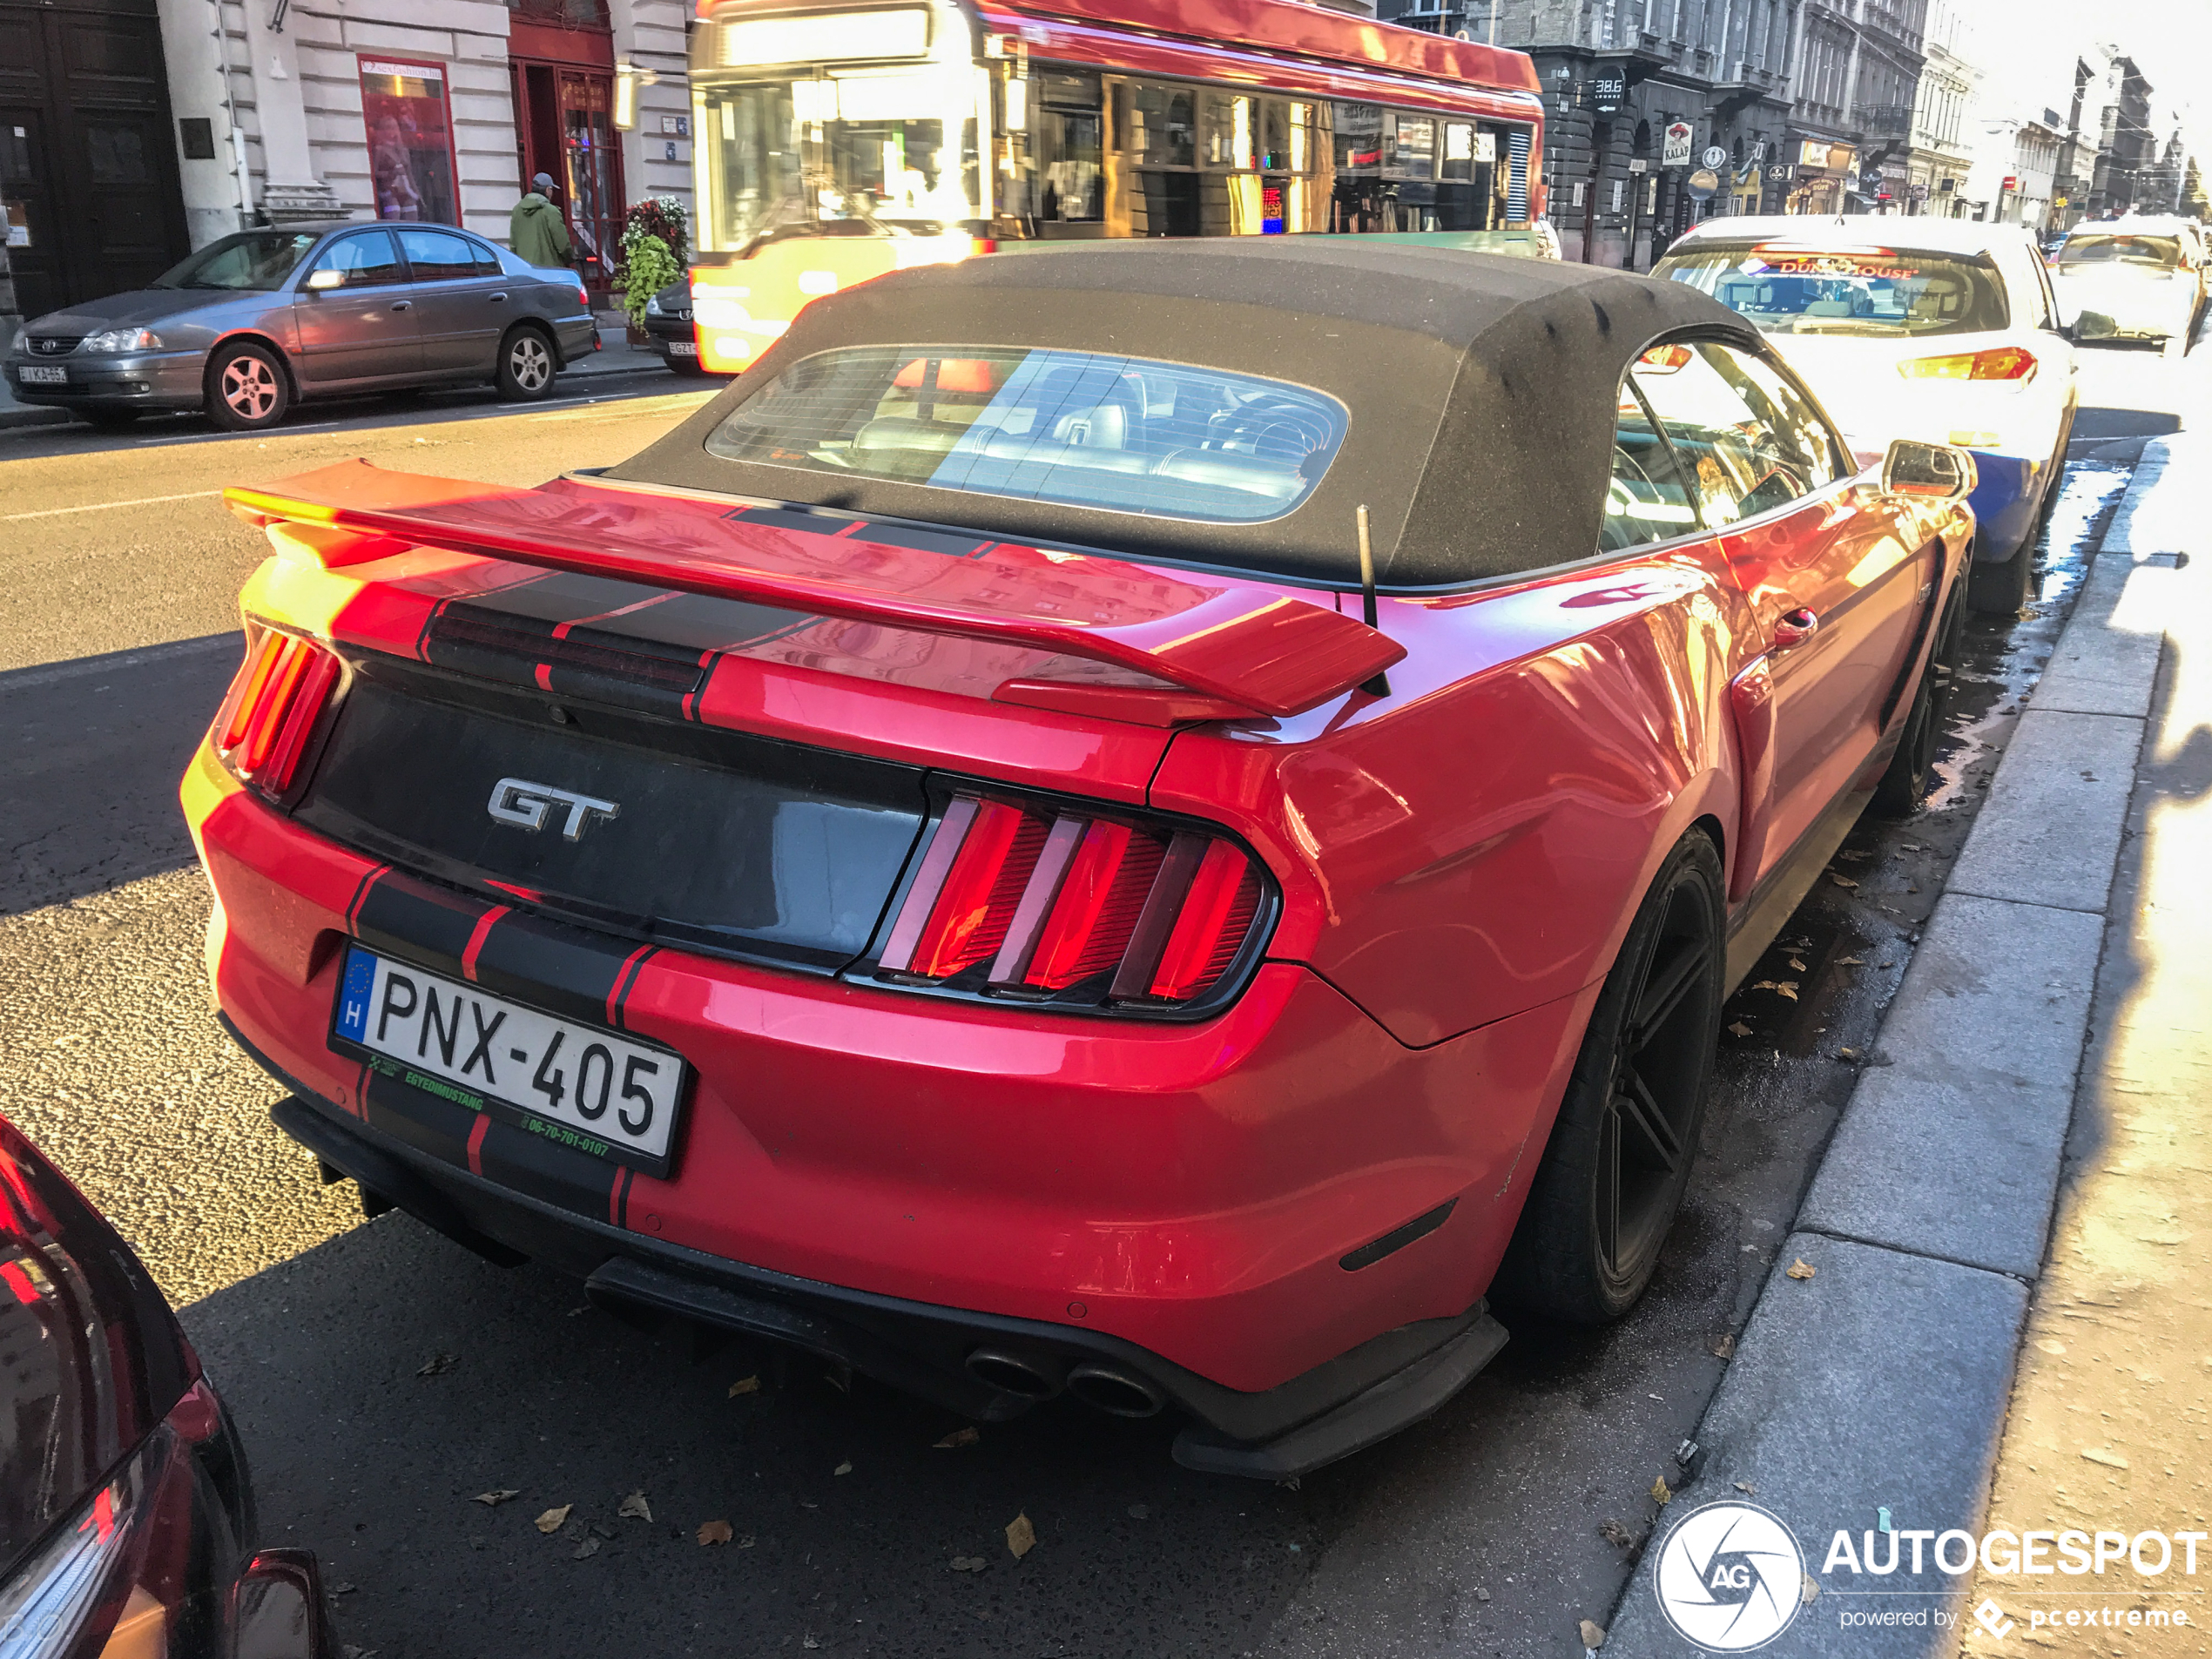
(318, 281)
(1927, 471)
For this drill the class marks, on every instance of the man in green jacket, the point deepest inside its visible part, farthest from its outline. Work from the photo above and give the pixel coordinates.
(535, 230)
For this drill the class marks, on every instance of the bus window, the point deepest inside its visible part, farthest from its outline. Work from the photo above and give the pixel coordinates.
(1165, 125)
(1068, 144)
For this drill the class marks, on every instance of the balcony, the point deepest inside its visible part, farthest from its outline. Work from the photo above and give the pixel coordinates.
(1886, 120)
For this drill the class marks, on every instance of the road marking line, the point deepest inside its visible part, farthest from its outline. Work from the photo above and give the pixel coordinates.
(24, 679)
(266, 434)
(97, 506)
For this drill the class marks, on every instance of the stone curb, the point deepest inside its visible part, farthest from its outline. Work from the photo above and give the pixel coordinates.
(1877, 1387)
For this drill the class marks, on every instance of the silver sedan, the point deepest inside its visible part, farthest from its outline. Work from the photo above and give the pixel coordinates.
(260, 318)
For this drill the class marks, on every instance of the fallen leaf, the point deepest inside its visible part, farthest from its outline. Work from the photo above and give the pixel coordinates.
(1788, 988)
(1593, 1636)
(808, 1642)
(1800, 1269)
(1853, 853)
(1841, 881)
(959, 1437)
(634, 1507)
(1615, 1534)
(1660, 1494)
(493, 1499)
(1851, 961)
(968, 1563)
(744, 1385)
(1747, 1488)
(553, 1520)
(1740, 1029)
(2110, 1458)
(1723, 1347)
(436, 1364)
(744, 1540)
(845, 1467)
(714, 1532)
(1846, 1053)
(1020, 1536)
(1763, 985)
(589, 1546)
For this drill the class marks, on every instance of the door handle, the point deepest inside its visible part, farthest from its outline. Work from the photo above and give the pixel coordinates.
(402, 305)
(496, 298)
(1794, 627)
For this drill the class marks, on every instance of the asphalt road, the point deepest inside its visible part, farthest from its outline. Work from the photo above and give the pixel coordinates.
(383, 1377)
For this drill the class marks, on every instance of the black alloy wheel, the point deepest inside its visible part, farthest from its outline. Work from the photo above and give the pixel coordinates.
(1905, 784)
(1621, 1151)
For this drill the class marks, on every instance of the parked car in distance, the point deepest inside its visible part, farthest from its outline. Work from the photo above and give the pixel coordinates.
(928, 862)
(126, 1516)
(669, 326)
(1938, 329)
(2135, 278)
(260, 319)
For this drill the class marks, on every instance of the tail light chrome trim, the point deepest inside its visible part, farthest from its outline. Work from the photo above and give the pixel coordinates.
(1080, 907)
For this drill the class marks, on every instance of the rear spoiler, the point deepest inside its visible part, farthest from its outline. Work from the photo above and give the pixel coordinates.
(1239, 648)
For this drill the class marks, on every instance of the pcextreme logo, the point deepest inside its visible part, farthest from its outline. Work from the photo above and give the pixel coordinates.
(1730, 1577)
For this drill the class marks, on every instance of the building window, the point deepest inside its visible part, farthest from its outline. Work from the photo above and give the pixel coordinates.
(410, 139)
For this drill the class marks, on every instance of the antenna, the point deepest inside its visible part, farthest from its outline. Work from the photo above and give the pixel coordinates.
(1380, 686)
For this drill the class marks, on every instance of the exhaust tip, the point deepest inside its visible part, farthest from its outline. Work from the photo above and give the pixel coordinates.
(1011, 1374)
(1118, 1393)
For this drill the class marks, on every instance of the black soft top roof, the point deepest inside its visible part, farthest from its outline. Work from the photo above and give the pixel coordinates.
(1481, 390)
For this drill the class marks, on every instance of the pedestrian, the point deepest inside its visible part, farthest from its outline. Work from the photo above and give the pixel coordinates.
(535, 230)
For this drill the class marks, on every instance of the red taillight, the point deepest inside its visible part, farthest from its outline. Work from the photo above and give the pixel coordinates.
(273, 708)
(1057, 899)
(1999, 363)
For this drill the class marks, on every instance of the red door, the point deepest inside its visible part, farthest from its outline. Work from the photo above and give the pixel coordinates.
(1836, 597)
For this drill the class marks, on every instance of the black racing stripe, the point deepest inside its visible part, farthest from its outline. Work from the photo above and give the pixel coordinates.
(620, 1000)
(959, 544)
(622, 1197)
(564, 970)
(792, 518)
(559, 1175)
(420, 923)
(438, 1127)
(361, 887)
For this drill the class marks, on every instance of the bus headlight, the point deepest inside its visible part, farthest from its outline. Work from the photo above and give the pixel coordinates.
(712, 310)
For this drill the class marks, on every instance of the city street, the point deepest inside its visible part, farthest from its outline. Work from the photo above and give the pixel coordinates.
(383, 1377)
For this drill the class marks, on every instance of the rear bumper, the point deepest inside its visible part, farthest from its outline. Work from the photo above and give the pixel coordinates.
(1323, 1414)
(1184, 1192)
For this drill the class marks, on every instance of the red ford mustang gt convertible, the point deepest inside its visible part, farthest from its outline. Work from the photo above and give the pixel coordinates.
(944, 861)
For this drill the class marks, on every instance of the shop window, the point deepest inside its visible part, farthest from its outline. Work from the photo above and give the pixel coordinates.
(1070, 147)
(1163, 125)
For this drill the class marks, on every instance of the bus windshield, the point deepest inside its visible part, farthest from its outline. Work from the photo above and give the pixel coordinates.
(891, 151)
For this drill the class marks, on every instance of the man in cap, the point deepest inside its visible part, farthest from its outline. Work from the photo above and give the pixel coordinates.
(535, 230)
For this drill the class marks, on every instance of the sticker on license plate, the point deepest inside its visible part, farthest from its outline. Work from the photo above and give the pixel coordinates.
(43, 375)
(683, 349)
(578, 1084)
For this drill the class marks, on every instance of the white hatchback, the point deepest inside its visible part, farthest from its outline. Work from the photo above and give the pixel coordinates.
(1937, 329)
(2132, 279)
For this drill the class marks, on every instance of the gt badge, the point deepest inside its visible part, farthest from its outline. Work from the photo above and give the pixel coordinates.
(524, 804)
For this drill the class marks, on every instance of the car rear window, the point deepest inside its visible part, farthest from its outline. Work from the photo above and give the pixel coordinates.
(2163, 252)
(1787, 288)
(1076, 429)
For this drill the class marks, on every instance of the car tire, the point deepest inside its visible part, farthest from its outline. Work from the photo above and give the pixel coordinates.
(1621, 1151)
(248, 388)
(527, 364)
(1905, 784)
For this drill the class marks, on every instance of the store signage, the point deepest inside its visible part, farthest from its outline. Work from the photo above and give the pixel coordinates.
(1818, 152)
(1715, 156)
(1675, 149)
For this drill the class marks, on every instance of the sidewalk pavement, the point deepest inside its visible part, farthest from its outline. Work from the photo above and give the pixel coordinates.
(615, 356)
(1870, 1398)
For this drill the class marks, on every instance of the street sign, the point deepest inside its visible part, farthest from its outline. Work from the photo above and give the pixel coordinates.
(1715, 156)
(1919, 192)
(1780, 173)
(1609, 88)
(1702, 184)
(1673, 149)
(1639, 165)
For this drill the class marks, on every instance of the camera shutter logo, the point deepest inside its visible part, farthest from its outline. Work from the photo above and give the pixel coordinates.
(1730, 1577)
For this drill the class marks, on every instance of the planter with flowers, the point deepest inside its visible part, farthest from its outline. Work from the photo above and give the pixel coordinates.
(655, 250)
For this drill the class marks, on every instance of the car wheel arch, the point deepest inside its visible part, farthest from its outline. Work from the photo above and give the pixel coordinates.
(253, 337)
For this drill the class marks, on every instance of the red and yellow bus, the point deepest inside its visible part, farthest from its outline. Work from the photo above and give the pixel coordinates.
(834, 142)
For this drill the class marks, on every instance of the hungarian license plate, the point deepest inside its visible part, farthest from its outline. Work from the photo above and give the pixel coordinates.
(683, 349)
(578, 1084)
(43, 375)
